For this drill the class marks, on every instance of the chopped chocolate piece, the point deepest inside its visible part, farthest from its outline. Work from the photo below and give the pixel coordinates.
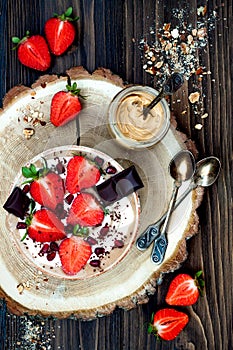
(17, 203)
(119, 185)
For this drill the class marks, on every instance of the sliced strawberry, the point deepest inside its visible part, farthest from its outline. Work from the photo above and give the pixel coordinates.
(167, 323)
(85, 211)
(33, 52)
(81, 173)
(44, 226)
(65, 105)
(74, 253)
(46, 188)
(185, 290)
(60, 32)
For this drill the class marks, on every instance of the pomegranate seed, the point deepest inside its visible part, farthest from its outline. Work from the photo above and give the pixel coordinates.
(26, 189)
(54, 246)
(99, 161)
(104, 230)
(118, 243)
(111, 170)
(60, 168)
(51, 256)
(95, 263)
(21, 225)
(69, 198)
(91, 240)
(99, 251)
(44, 249)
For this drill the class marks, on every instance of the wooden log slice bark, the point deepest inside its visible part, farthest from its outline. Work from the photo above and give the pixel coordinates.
(133, 279)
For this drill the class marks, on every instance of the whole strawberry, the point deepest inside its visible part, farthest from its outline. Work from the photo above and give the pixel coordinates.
(46, 187)
(33, 51)
(185, 290)
(65, 105)
(60, 32)
(167, 323)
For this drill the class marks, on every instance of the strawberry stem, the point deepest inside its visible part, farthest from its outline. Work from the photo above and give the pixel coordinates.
(200, 283)
(66, 16)
(17, 41)
(73, 89)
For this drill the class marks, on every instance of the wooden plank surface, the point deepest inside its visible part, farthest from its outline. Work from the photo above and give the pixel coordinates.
(109, 33)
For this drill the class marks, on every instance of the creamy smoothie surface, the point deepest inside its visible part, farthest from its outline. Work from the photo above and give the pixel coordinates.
(129, 117)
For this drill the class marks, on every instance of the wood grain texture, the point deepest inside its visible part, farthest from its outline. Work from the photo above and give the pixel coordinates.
(108, 36)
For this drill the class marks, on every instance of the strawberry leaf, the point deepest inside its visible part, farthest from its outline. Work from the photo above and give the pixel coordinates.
(27, 172)
(68, 12)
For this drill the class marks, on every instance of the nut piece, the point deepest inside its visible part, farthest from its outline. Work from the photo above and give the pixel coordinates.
(20, 288)
(198, 126)
(28, 133)
(194, 97)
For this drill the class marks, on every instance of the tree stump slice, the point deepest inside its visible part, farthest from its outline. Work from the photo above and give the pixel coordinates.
(134, 278)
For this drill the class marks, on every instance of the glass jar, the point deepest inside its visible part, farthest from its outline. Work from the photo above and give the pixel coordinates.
(126, 121)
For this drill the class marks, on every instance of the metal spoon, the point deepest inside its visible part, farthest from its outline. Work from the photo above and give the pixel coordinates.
(207, 171)
(173, 83)
(181, 167)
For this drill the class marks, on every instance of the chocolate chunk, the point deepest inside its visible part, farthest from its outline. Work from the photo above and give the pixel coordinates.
(119, 185)
(17, 203)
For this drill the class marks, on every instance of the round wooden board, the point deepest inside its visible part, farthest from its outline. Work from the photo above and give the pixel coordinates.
(133, 279)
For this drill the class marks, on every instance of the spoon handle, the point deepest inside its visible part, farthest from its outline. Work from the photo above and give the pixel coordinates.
(152, 231)
(149, 235)
(160, 244)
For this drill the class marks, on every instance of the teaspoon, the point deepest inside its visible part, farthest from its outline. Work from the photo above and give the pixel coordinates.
(207, 171)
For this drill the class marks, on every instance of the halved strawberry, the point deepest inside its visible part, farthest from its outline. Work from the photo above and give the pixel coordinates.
(74, 253)
(65, 105)
(167, 323)
(60, 32)
(85, 211)
(44, 226)
(33, 51)
(185, 290)
(81, 173)
(46, 187)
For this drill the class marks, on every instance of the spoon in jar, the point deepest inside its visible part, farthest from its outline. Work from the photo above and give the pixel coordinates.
(207, 172)
(173, 83)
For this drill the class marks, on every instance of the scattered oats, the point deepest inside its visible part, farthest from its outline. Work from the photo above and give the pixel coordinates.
(194, 97)
(41, 115)
(198, 126)
(194, 32)
(28, 133)
(35, 114)
(175, 33)
(159, 64)
(190, 39)
(204, 116)
(201, 11)
(33, 93)
(201, 33)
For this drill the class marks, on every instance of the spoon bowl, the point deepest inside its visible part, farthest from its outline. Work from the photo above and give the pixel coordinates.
(207, 171)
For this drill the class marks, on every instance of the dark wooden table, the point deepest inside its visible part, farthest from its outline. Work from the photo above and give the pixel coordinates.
(109, 33)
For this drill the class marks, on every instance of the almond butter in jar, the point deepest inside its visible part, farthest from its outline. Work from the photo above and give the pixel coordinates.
(126, 121)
